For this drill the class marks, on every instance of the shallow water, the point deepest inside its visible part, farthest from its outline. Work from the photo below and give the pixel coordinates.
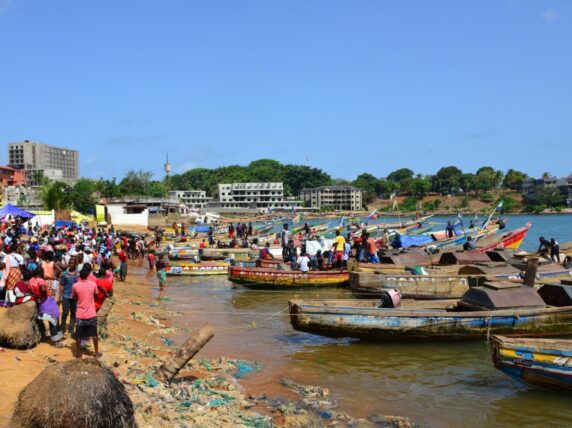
(435, 384)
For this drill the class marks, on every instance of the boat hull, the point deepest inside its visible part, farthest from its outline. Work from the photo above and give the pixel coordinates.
(384, 324)
(197, 269)
(544, 364)
(369, 285)
(273, 278)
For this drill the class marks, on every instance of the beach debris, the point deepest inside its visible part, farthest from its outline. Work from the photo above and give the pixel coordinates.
(169, 369)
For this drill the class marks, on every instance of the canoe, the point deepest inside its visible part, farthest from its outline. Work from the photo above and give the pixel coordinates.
(182, 254)
(224, 253)
(434, 286)
(519, 311)
(196, 269)
(273, 278)
(538, 363)
(252, 263)
(511, 239)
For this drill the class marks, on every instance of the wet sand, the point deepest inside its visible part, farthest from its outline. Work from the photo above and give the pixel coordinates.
(144, 328)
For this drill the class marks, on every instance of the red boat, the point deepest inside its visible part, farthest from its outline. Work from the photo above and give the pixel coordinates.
(511, 239)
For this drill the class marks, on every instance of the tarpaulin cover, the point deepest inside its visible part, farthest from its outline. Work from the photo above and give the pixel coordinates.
(60, 223)
(10, 209)
(404, 241)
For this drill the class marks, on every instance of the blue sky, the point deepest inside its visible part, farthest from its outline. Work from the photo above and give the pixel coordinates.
(355, 86)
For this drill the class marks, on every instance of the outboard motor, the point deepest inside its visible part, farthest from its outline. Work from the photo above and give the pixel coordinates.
(390, 299)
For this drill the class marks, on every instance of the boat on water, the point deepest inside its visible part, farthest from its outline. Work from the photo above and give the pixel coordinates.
(495, 308)
(511, 239)
(182, 254)
(274, 278)
(367, 285)
(538, 363)
(197, 269)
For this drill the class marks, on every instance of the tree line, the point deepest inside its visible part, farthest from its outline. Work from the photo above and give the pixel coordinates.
(403, 181)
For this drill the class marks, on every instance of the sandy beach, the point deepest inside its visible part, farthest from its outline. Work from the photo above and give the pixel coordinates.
(207, 392)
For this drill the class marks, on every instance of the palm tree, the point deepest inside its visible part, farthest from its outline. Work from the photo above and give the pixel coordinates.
(56, 196)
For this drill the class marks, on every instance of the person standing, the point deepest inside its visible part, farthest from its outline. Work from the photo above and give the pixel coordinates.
(67, 280)
(338, 249)
(85, 291)
(122, 264)
(161, 272)
(554, 251)
(104, 288)
(284, 238)
(372, 249)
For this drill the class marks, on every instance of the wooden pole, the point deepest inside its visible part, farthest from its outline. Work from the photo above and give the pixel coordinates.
(530, 273)
(169, 369)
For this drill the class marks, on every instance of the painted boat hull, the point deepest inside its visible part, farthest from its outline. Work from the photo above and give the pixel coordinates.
(197, 269)
(273, 278)
(510, 240)
(183, 254)
(544, 364)
(384, 324)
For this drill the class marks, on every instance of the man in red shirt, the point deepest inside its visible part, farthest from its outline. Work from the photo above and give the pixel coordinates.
(104, 288)
(84, 291)
(122, 263)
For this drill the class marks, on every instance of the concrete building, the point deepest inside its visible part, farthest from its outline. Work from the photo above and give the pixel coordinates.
(11, 177)
(564, 186)
(31, 156)
(346, 198)
(251, 198)
(194, 199)
(21, 196)
(147, 211)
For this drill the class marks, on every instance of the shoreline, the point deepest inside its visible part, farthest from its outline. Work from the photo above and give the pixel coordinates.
(207, 392)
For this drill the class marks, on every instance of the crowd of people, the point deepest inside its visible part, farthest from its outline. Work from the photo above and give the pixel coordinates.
(68, 271)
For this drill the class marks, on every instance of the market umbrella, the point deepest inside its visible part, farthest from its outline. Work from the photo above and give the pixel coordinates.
(10, 209)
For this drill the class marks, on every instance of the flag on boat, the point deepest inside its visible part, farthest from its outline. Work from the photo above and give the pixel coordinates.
(499, 206)
(394, 207)
(459, 218)
(342, 221)
(297, 218)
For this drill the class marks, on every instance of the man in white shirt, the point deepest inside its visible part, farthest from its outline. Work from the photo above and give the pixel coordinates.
(304, 263)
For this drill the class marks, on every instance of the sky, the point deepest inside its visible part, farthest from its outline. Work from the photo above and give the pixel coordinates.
(367, 86)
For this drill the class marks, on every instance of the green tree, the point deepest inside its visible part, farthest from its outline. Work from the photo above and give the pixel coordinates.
(549, 196)
(513, 179)
(84, 195)
(56, 195)
(135, 183)
(447, 179)
(419, 187)
(108, 188)
(400, 174)
(468, 182)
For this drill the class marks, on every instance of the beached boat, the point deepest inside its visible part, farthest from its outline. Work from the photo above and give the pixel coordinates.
(196, 269)
(224, 253)
(273, 278)
(539, 363)
(511, 239)
(367, 285)
(183, 254)
(498, 308)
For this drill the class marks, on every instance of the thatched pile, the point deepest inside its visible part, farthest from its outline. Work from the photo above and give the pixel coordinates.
(18, 326)
(76, 394)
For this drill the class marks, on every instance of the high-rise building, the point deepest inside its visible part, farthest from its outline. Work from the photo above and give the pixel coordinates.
(43, 159)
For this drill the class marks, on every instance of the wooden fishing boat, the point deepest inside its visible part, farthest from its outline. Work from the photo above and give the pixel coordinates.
(196, 269)
(252, 263)
(366, 285)
(511, 239)
(273, 278)
(501, 308)
(224, 253)
(182, 254)
(538, 363)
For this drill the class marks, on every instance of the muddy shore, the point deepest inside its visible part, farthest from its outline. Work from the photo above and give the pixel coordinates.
(140, 333)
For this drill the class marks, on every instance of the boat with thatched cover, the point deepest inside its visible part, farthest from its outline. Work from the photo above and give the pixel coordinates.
(496, 308)
(197, 269)
(274, 278)
(18, 326)
(80, 393)
(538, 363)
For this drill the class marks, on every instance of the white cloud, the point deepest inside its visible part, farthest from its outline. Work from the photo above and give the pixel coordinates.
(550, 15)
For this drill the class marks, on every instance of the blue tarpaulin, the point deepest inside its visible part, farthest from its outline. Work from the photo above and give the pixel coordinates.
(10, 209)
(404, 241)
(60, 223)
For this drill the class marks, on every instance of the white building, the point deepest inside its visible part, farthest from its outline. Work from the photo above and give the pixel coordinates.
(252, 197)
(22, 196)
(194, 199)
(346, 198)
